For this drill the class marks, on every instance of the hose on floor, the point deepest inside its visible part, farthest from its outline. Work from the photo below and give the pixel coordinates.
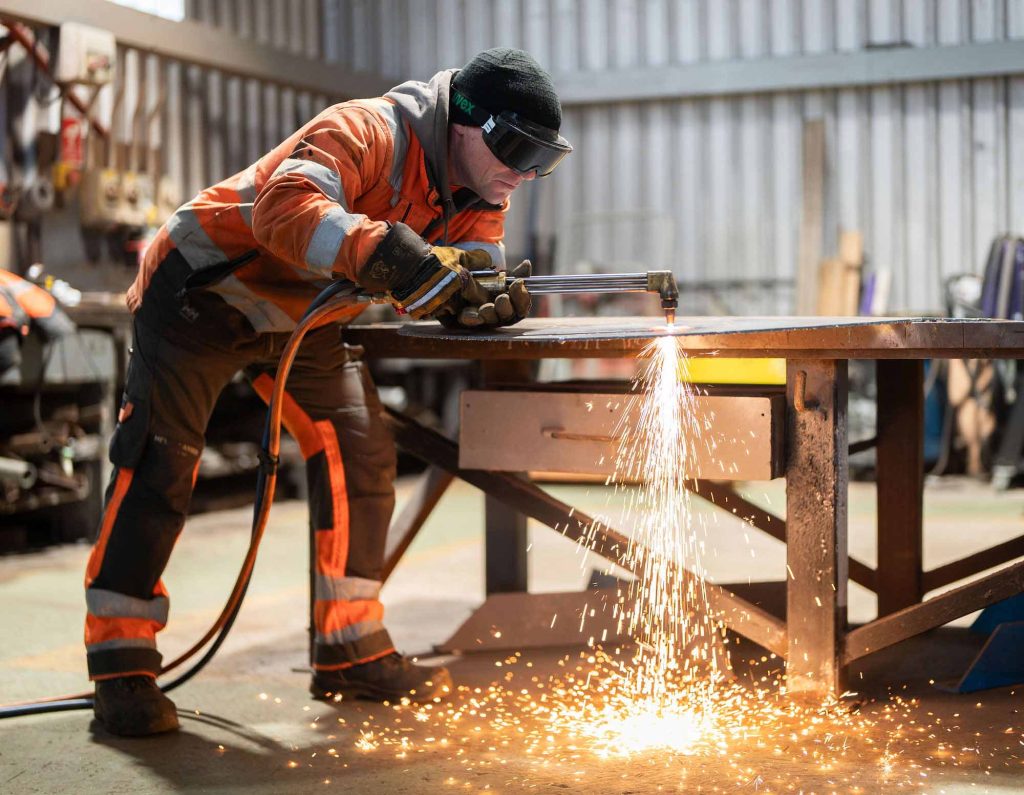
(337, 299)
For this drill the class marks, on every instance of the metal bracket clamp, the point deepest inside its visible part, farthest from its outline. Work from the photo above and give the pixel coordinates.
(800, 402)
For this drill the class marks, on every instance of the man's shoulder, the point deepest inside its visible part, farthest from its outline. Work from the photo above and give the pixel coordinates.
(379, 110)
(371, 122)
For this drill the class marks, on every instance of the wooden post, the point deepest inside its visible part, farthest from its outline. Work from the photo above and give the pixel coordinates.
(900, 482)
(505, 537)
(816, 553)
(811, 216)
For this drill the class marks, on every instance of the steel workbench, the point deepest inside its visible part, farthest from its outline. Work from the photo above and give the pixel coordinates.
(814, 638)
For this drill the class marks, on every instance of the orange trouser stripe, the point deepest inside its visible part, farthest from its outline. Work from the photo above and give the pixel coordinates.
(98, 630)
(332, 543)
(298, 422)
(331, 616)
(124, 479)
(331, 553)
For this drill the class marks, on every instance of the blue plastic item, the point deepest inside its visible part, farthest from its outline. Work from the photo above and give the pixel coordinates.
(934, 416)
(1000, 663)
(1011, 609)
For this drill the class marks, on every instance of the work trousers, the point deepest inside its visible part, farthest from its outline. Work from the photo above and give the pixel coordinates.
(185, 351)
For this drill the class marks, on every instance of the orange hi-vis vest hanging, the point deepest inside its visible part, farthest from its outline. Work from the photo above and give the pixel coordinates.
(23, 304)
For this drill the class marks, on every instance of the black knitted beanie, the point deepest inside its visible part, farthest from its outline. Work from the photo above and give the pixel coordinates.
(503, 79)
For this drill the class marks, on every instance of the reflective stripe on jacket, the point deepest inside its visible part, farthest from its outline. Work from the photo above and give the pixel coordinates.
(313, 209)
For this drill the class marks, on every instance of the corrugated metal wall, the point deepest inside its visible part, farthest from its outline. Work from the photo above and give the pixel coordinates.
(230, 121)
(929, 173)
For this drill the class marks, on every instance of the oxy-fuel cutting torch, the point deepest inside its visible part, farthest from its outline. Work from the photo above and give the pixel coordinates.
(661, 282)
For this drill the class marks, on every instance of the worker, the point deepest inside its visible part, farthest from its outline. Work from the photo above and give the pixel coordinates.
(404, 195)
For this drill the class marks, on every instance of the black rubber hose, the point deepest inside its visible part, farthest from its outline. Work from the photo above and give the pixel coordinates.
(39, 707)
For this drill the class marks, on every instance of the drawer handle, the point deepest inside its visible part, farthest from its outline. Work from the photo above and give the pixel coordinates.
(561, 433)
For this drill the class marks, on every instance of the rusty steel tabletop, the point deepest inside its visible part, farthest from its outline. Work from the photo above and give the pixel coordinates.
(784, 337)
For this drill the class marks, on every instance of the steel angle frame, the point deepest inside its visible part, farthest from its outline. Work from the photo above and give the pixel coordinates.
(972, 564)
(724, 496)
(529, 500)
(934, 612)
(815, 639)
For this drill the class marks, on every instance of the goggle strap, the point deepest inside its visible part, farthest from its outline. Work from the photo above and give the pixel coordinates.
(470, 108)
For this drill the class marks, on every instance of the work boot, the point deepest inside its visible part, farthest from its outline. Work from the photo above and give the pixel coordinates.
(133, 706)
(390, 678)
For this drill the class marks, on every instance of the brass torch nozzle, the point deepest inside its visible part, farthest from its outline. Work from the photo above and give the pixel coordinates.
(664, 283)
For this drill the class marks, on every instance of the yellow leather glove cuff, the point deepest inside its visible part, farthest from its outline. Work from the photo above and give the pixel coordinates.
(439, 278)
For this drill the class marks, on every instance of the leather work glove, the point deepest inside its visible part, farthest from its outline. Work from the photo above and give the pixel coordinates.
(421, 279)
(475, 308)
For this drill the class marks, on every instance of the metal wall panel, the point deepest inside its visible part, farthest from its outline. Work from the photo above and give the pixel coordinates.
(241, 119)
(929, 172)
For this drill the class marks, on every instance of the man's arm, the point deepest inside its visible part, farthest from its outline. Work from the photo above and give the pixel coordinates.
(486, 233)
(302, 213)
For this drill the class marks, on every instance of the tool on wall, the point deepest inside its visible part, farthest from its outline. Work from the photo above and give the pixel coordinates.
(85, 60)
(31, 116)
(82, 58)
(102, 206)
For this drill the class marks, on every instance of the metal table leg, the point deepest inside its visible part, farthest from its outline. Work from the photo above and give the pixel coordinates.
(505, 536)
(900, 468)
(505, 542)
(816, 550)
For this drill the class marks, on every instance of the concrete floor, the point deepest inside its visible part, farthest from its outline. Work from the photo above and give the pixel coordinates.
(249, 725)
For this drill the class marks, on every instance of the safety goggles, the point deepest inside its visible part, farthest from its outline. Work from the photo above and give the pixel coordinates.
(524, 146)
(518, 143)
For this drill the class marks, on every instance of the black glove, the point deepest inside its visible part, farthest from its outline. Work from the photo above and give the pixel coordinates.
(419, 278)
(475, 308)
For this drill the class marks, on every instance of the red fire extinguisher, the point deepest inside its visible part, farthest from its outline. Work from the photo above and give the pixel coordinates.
(68, 170)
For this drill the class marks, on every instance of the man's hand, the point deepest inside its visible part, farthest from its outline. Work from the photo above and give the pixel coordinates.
(419, 278)
(439, 278)
(474, 308)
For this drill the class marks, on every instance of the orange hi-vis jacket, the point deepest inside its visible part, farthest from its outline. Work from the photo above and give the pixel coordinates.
(23, 304)
(317, 206)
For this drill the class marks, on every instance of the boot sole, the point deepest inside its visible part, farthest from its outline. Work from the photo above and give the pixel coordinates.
(124, 726)
(169, 723)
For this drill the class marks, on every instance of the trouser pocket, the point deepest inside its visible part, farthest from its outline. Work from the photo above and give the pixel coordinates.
(133, 420)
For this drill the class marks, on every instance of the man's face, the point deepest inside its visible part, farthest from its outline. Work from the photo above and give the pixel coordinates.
(474, 166)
